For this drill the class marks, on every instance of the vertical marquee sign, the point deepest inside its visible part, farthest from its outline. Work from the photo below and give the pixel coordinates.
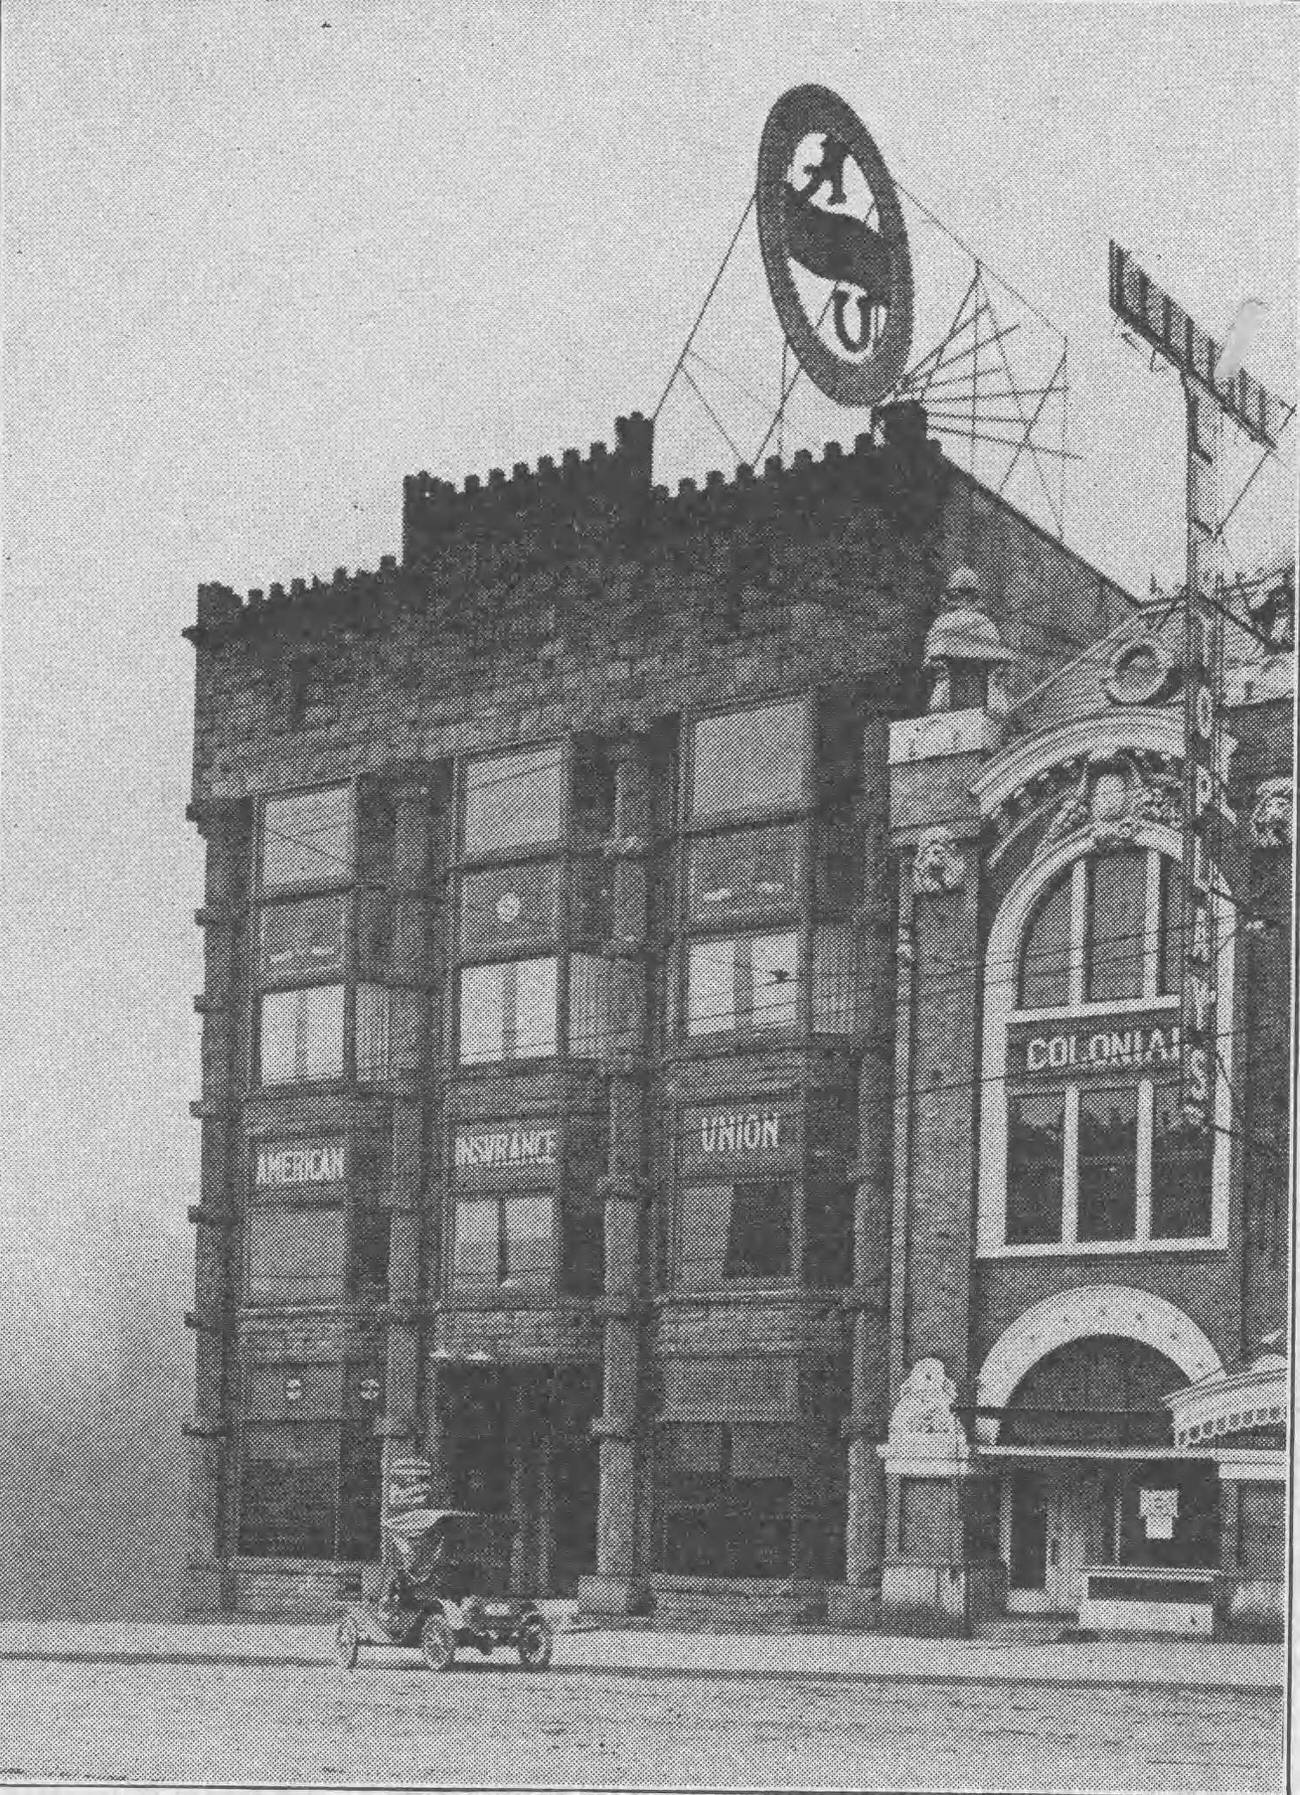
(1211, 392)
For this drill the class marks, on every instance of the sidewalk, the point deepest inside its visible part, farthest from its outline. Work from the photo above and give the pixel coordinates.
(866, 1657)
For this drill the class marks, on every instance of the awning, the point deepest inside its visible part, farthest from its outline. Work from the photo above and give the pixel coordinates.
(1225, 1404)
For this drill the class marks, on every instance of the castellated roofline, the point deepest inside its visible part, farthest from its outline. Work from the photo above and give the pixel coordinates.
(436, 511)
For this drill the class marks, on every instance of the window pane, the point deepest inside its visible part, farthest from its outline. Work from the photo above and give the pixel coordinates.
(296, 1255)
(734, 1231)
(481, 1018)
(1107, 1163)
(530, 1240)
(587, 981)
(509, 907)
(477, 1251)
(302, 938)
(288, 1491)
(743, 875)
(584, 1245)
(1171, 926)
(833, 980)
(305, 839)
(372, 1032)
(535, 1008)
(1117, 932)
(514, 800)
(750, 760)
(370, 1250)
(1035, 1134)
(828, 1234)
(711, 988)
(300, 1035)
(1180, 1172)
(775, 960)
(705, 1228)
(360, 1487)
(1045, 966)
(759, 1242)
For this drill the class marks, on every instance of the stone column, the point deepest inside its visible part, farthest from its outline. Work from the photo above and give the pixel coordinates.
(224, 827)
(864, 1536)
(617, 1586)
(410, 793)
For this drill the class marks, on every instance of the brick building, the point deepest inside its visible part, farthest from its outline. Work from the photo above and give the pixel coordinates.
(614, 1088)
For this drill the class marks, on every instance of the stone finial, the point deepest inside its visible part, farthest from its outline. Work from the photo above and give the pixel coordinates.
(938, 867)
(1270, 817)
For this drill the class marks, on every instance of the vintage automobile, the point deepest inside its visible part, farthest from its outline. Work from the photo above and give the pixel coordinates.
(444, 1587)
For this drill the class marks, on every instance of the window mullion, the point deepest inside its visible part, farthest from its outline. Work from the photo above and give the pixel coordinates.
(1151, 944)
(1145, 1139)
(1078, 931)
(1070, 1182)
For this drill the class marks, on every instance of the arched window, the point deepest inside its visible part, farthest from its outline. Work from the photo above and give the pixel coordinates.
(1095, 1151)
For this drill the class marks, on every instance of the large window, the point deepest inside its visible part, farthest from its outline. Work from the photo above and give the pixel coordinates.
(533, 905)
(735, 1231)
(755, 1202)
(505, 1240)
(318, 1014)
(314, 1229)
(1096, 1152)
(769, 877)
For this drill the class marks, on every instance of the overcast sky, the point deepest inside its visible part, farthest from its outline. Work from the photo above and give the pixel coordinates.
(264, 259)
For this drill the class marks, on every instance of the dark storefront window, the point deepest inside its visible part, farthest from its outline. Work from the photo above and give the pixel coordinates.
(309, 1482)
(728, 1497)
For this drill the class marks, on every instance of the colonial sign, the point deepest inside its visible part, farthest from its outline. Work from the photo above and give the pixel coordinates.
(1068, 1051)
(753, 1135)
(834, 246)
(283, 1165)
(507, 1147)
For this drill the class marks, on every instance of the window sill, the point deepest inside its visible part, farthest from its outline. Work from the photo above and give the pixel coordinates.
(1101, 1249)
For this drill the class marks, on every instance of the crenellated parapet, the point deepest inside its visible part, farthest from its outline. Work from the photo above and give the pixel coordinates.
(894, 467)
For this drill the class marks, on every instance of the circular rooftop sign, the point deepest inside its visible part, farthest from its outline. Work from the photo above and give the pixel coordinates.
(834, 246)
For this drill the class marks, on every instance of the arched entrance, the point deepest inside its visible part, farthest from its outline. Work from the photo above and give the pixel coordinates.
(1092, 1475)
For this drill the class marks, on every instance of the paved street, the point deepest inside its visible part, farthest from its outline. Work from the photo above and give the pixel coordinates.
(593, 1723)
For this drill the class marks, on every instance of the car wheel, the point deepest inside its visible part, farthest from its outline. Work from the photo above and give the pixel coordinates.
(535, 1642)
(347, 1642)
(438, 1643)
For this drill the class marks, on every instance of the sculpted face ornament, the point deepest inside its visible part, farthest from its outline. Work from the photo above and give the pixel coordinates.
(834, 246)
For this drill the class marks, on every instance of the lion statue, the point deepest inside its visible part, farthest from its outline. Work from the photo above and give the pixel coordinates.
(938, 866)
(925, 1402)
(1270, 820)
